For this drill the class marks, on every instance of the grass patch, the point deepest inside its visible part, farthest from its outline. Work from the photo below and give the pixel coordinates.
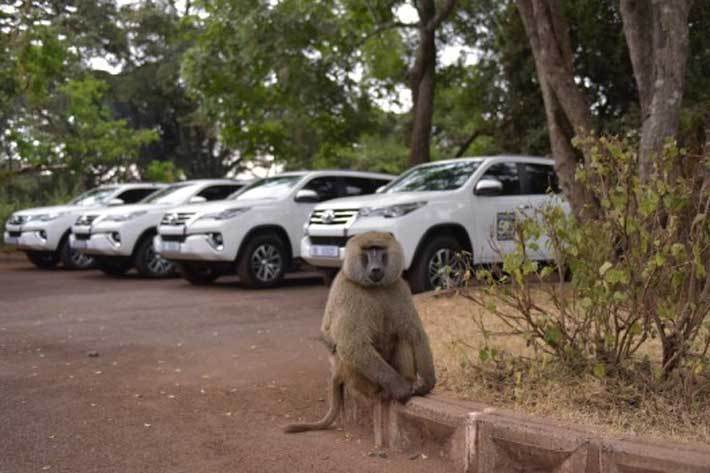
(477, 359)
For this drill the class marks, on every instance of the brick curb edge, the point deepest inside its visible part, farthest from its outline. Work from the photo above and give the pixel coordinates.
(477, 438)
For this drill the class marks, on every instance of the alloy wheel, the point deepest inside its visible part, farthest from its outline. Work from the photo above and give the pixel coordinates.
(445, 269)
(266, 263)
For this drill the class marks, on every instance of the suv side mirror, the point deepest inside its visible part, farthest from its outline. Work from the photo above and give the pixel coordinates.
(197, 199)
(115, 201)
(307, 195)
(488, 187)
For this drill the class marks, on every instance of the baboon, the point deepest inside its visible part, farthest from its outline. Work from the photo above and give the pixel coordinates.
(377, 344)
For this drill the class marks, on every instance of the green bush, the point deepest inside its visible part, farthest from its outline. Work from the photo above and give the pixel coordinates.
(639, 264)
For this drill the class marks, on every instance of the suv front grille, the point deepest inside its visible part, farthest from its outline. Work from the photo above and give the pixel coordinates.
(15, 234)
(176, 218)
(338, 241)
(82, 236)
(332, 216)
(178, 238)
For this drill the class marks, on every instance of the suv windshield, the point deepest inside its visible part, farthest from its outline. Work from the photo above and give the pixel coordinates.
(434, 177)
(269, 188)
(96, 196)
(173, 195)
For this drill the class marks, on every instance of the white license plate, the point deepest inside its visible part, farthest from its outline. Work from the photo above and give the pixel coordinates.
(80, 244)
(170, 246)
(325, 251)
(12, 240)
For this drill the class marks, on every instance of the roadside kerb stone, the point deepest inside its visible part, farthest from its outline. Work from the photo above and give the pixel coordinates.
(481, 439)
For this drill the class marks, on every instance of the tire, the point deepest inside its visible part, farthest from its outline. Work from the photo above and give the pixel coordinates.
(43, 259)
(113, 266)
(73, 259)
(199, 274)
(149, 263)
(438, 265)
(262, 261)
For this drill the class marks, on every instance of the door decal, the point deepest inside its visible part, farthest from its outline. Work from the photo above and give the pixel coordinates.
(505, 226)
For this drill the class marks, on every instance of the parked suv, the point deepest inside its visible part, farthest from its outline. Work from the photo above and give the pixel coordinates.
(437, 211)
(43, 232)
(258, 231)
(122, 238)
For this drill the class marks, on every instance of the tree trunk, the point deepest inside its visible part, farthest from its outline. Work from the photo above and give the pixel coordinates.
(657, 37)
(422, 85)
(421, 79)
(565, 106)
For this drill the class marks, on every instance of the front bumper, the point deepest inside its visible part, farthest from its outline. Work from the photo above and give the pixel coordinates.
(27, 240)
(407, 230)
(198, 247)
(99, 244)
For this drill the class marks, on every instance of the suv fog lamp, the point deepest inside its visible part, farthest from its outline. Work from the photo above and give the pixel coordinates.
(42, 234)
(216, 241)
(115, 236)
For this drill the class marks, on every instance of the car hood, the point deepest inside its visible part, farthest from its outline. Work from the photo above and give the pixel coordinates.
(52, 209)
(380, 200)
(220, 205)
(130, 208)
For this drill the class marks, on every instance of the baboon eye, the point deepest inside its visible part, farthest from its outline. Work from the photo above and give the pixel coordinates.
(363, 259)
(384, 258)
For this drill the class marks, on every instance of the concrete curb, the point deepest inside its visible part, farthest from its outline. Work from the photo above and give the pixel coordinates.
(479, 439)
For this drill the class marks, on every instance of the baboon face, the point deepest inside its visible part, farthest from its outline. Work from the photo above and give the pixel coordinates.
(373, 259)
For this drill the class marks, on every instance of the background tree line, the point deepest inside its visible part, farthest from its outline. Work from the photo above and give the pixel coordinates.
(214, 86)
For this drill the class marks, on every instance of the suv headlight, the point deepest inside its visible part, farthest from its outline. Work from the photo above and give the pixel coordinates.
(225, 214)
(392, 211)
(124, 217)
(46, 217)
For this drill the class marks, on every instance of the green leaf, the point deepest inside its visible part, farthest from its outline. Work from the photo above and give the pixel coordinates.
(604, 268)
(599, 370)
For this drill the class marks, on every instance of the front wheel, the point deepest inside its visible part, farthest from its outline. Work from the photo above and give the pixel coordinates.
(262, 262)
(149, 263)
(440, 265)
(43, 259)
(113, 266)
(74, 259)
(199, 274)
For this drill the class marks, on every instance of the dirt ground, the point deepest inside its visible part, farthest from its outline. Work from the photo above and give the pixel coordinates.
(186, 379)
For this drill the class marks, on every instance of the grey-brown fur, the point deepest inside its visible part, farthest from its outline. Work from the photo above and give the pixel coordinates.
(371, 327)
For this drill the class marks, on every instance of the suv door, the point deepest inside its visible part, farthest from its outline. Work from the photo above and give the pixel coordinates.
(494, 215)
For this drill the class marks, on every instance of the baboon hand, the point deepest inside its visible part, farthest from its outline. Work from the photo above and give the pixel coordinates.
(400, 390)
(422, 387)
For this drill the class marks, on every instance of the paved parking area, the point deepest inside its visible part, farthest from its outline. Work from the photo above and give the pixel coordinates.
(187, 379)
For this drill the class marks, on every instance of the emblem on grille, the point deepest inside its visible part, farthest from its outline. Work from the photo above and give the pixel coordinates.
(328, 216)
(172, 219)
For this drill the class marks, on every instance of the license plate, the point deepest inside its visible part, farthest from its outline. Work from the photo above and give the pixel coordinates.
(12, 240)
(170, 246)
(325, 251)
(79, 244)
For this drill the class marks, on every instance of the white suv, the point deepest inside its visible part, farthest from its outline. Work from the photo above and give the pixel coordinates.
(43, 232)
(258, 232)
(122, 238)
(437, 211)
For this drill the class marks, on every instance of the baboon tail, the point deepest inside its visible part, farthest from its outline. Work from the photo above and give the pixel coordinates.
(336, 403)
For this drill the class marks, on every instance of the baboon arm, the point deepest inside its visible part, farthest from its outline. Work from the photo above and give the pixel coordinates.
(424, 362)
(328, 342)
(367, 361)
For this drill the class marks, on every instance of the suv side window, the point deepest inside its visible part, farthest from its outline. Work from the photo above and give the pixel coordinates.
(131, 196)
(219, 192)
(326, 187)
(361, 185)
(507, 174)
(540, 179)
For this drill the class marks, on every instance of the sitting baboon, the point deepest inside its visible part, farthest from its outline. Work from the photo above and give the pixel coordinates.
(371, 328)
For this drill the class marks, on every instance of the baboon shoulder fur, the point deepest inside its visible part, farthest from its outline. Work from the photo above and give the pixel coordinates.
(371, 326)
